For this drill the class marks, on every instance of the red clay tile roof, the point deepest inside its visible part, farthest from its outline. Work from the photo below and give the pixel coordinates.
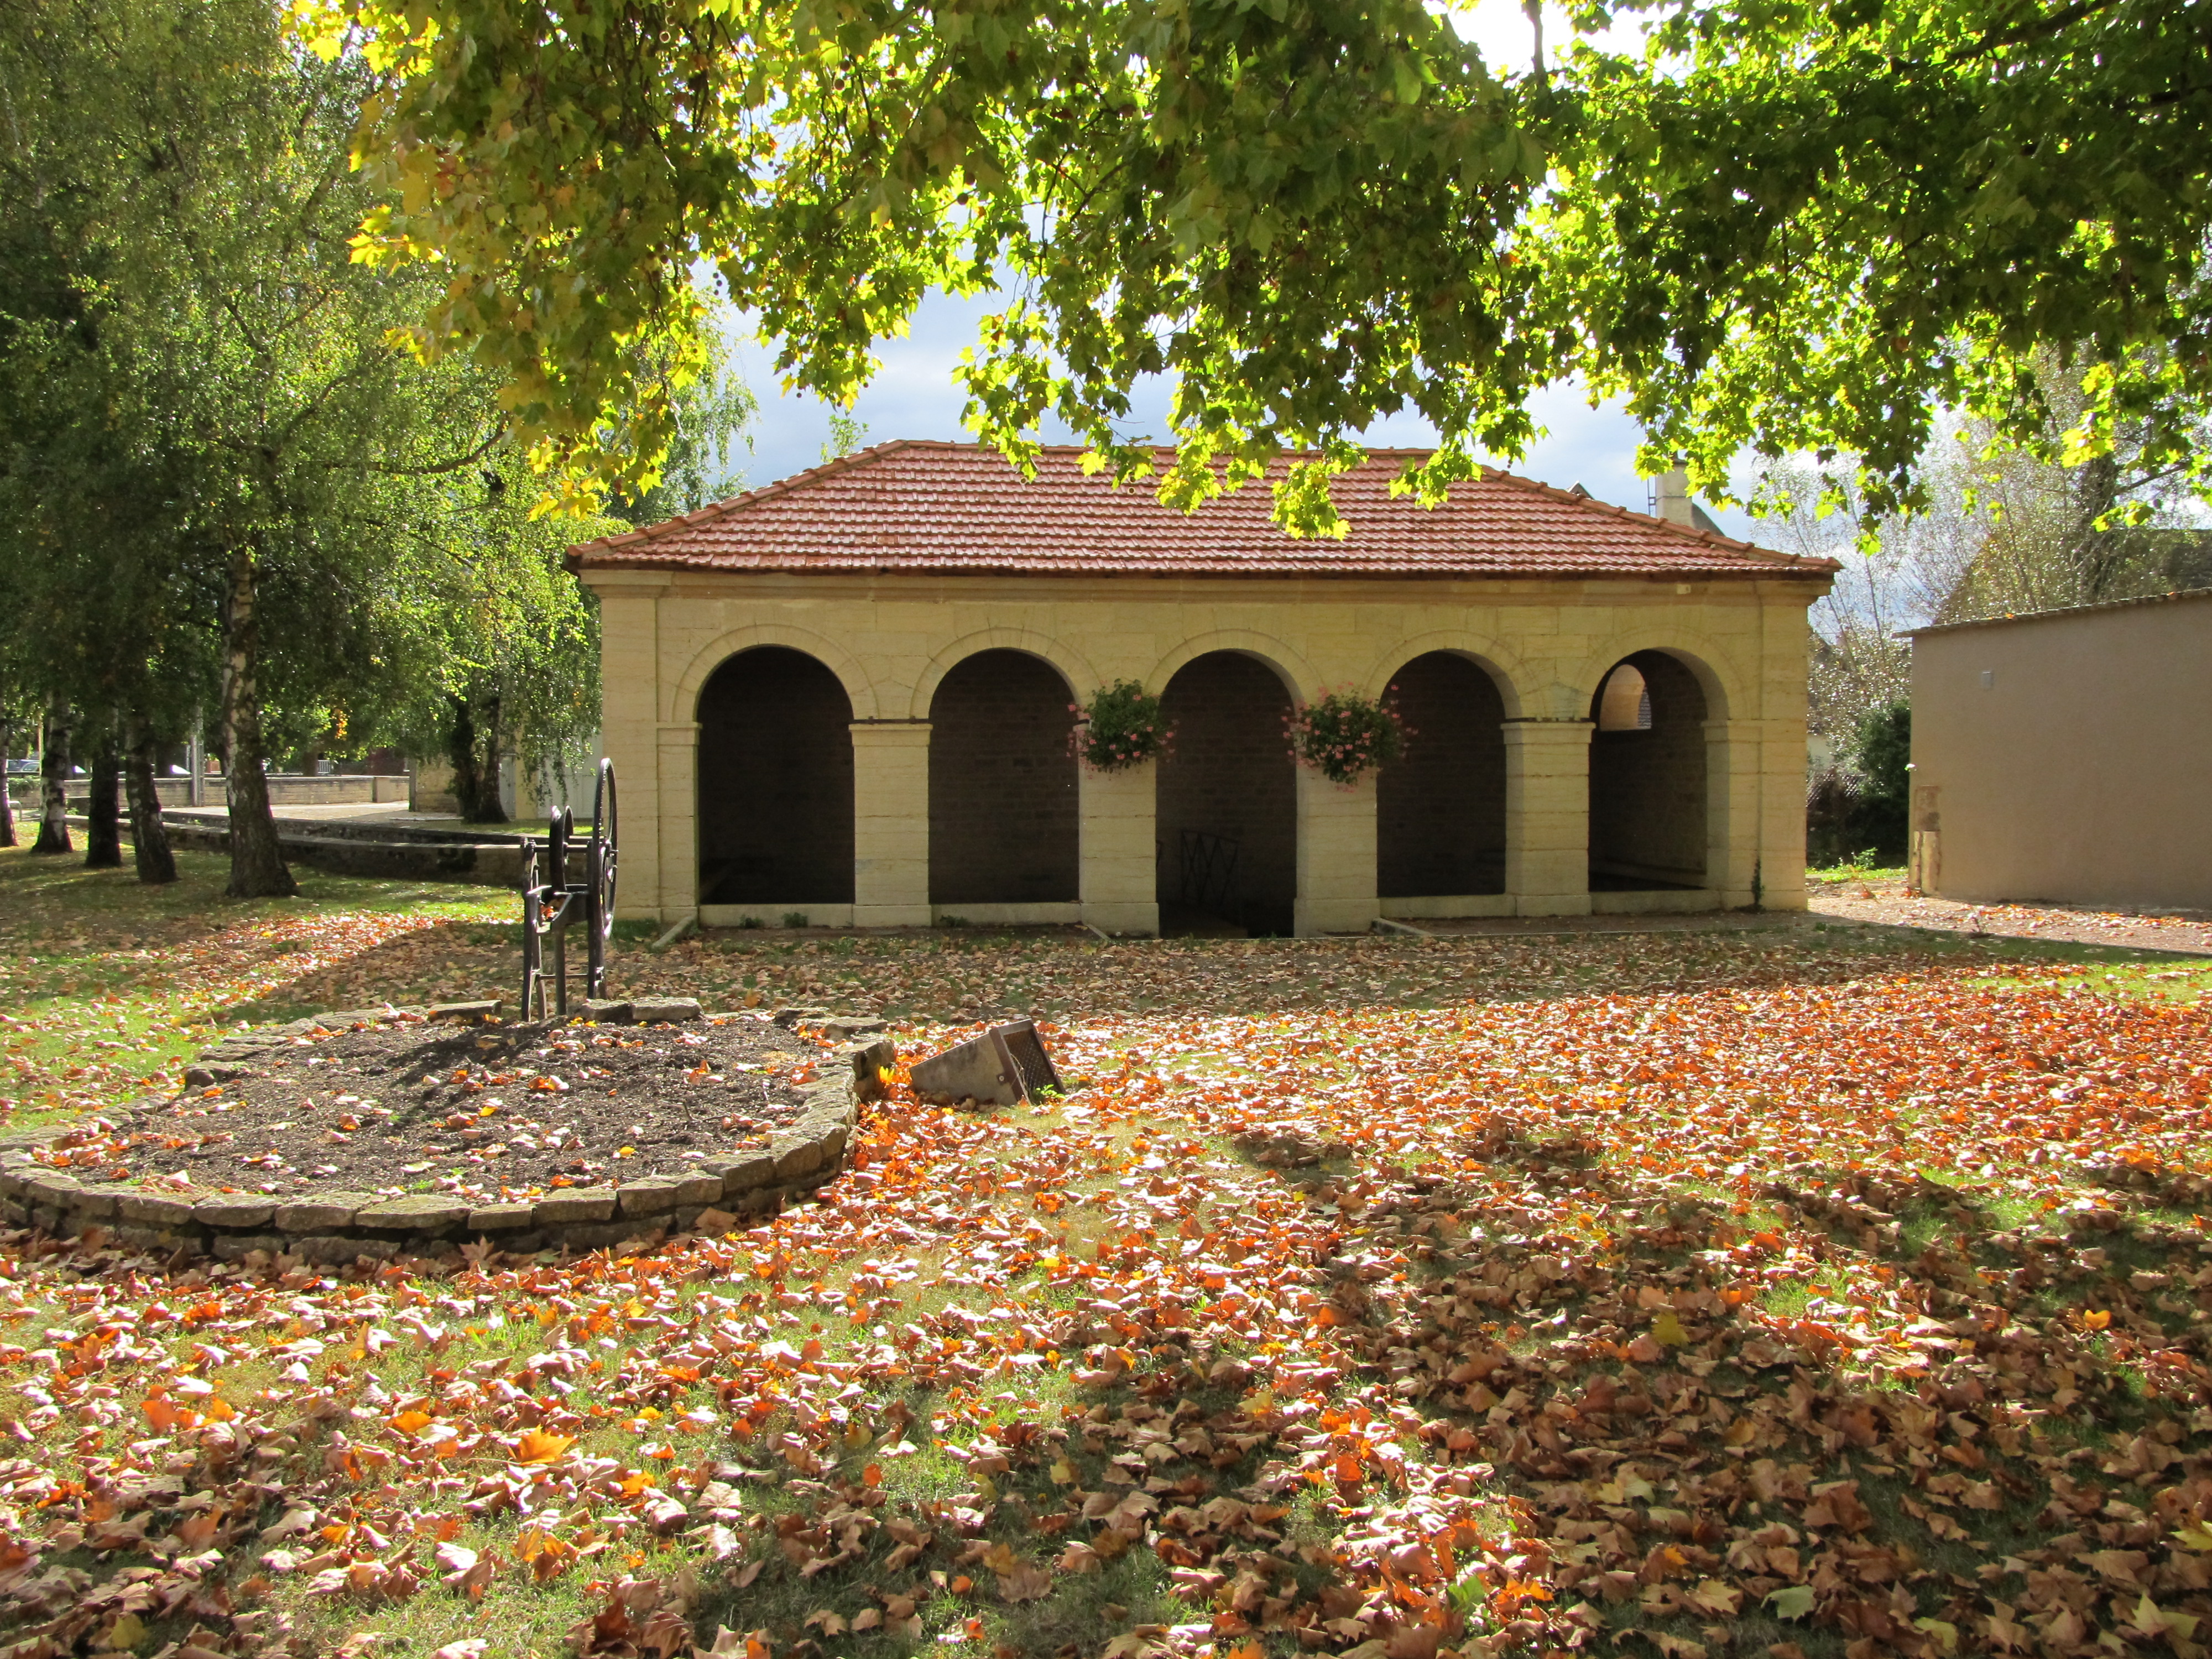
(945, 509)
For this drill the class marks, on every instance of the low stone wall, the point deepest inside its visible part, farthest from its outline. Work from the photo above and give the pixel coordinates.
(338, 1230)
(285, 789)
(398, 857)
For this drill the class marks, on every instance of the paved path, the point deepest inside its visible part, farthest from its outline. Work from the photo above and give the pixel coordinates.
(1887, 904)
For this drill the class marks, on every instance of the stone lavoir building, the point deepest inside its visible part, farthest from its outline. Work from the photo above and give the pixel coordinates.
(850, 696)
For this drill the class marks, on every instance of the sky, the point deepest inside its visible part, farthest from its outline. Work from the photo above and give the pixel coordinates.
(913, 394)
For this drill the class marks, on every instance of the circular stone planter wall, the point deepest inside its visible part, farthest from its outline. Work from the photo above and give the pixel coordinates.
(335, 1229)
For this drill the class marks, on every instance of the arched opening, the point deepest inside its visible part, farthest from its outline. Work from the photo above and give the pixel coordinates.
(1440, 806)
(1624, 702)
(1647, 777)
(775, 783)
(1228, 801)
(1004, 827)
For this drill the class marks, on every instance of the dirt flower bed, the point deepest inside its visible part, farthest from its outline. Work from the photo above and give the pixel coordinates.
(483, 1111)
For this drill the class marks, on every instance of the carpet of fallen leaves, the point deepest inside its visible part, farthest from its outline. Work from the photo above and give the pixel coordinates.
(1685, 1295)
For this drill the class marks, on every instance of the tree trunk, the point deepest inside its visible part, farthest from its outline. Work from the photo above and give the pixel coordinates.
(7, 806)
(150, 838)
(54, 817)
(256, 861)
(476, 763)
(103, 810)
(2095, 554)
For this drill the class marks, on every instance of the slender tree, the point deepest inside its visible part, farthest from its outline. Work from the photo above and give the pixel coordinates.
(103, 808)
(7, 801)
(156, 864)
(54, 773)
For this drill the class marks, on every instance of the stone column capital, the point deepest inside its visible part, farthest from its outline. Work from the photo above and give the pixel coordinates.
(1532, 733)
(891, 734)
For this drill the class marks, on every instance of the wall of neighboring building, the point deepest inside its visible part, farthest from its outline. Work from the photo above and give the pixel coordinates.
(1545, 644)
(2066, 756)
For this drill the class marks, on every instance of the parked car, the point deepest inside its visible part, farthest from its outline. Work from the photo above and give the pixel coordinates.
(25, 767)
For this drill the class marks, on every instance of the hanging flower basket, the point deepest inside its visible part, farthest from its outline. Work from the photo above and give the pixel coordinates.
(1344, 736)
(1121, 727)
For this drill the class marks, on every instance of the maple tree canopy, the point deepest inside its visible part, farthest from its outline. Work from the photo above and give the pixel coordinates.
(1786, 226)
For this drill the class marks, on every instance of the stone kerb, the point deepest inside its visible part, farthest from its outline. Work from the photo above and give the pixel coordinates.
(336, 1229)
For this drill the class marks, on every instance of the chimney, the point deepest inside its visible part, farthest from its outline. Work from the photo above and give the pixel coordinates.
(1670, 494)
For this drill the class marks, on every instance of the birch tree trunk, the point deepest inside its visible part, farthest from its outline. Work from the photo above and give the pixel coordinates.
(54, 803)
(150, 838)
(256, 862)
(103, 811)
(7, 806)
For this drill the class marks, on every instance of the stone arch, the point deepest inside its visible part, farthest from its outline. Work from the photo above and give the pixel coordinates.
(1726, 694)
(1297, 675)
(1649, 784)
(1073, 666)
(1517, 683)
(859, 689)
(1004, 818)
(1226, 794)
(775, 782)
(1440, 808)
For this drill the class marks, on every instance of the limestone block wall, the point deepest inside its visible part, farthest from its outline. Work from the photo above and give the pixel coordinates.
(892, 641)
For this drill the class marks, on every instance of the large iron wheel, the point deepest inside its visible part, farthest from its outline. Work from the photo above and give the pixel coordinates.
(533, 949)
(603, 842)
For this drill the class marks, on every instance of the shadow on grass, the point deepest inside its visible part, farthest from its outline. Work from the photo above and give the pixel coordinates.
(1708, 1456)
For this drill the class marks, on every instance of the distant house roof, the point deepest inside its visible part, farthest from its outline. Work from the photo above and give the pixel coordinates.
(946, 509)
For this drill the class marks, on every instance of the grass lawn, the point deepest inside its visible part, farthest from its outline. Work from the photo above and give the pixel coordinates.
(1827, 1290)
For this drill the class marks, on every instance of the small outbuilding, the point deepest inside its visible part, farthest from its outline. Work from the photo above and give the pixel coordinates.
(850, 696)
(2066, 756)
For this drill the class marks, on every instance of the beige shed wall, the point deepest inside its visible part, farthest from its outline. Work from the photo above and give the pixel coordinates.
(891, 639)
(2066, 756)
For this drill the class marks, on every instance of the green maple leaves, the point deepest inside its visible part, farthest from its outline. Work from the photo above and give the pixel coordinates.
(1294, 209)
(1827, 224)
(1785, 227)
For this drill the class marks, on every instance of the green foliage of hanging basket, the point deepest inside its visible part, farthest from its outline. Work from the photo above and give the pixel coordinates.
(1345, 735)
(1120, 727)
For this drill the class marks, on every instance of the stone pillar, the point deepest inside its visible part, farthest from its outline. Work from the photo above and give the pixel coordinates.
(890, 824)
(1547, 817)
(677, 767)
(1120, 825)
(1755, 813)
(1732, 763)
(1779, 804)
(629, 680)
(1336, 856)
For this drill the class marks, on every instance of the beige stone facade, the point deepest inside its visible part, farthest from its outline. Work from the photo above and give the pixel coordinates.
(1724, 652)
